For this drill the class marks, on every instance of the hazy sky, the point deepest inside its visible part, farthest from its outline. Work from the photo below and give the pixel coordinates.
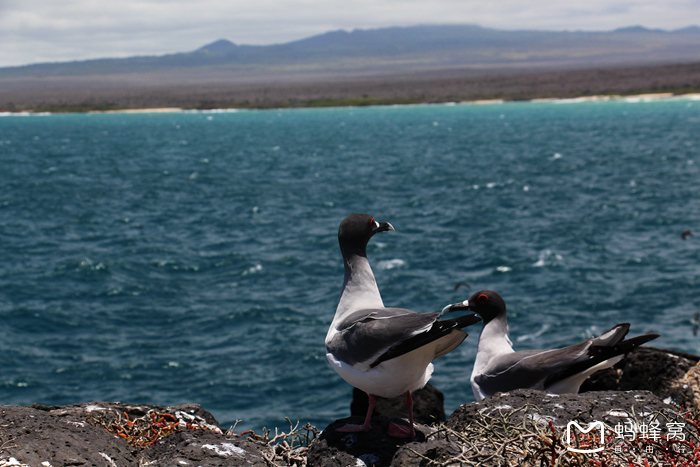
(34, 31)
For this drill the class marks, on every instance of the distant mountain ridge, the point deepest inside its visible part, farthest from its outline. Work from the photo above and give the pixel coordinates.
(397, 39)
(393, 50)
(220, 47)
(642, 29)
(224, 46)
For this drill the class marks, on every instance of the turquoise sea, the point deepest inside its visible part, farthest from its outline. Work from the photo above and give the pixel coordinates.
(167, 258)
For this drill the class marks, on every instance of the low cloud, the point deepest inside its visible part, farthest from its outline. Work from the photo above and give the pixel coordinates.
(48, 31)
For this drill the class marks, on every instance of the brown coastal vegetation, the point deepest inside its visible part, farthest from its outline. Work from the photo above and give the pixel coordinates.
(453, 85)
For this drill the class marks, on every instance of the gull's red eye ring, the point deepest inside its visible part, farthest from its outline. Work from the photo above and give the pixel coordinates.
(483, 298)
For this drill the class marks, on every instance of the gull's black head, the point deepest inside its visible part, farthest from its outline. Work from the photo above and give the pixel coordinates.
(356, 230)
(486, 303)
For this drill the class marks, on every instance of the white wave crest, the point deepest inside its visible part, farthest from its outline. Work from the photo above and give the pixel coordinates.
(391, 264)
(548, 258)
(534, 335)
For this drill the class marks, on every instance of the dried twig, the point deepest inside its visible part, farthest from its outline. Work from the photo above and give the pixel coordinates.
(497, 439)
(286, 448)
(6, 444)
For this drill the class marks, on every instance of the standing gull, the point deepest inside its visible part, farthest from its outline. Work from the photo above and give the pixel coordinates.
(498, 368)
(385, 352)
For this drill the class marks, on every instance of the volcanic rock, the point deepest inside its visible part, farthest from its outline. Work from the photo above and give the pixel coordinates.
(610, 407)
(202, 448)
(103, 434)
(35, 437)
(666, 373)
(498, 417)
(109, 434)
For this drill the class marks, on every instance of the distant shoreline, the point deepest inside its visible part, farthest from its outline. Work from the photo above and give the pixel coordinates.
(437, 87)
(644, 96)
(647, 96)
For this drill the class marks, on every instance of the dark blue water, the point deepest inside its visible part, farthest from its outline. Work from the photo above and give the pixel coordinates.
(192, 257)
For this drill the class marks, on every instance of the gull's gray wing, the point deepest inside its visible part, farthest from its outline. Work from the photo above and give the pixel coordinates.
(529, 368)
(377, 335)
(539, 369)
(367, 334)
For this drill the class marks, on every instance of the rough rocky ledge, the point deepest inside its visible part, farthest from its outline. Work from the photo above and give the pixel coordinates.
(113, 434)
(523, 427)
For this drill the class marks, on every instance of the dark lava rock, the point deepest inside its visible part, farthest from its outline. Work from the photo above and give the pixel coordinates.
(77, 435)
(610, 407)
(436, 446)
(372, 449)
(502, 415)
(431, 452)
(666, 373)
(645, 368)
(36, 438)
(428, 405)
(203, 448)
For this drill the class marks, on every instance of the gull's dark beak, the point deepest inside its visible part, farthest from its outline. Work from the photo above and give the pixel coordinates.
(381, 227)
(461, 306)
(474, 319)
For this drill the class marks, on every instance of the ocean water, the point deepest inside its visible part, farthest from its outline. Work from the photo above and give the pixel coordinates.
(192, 257)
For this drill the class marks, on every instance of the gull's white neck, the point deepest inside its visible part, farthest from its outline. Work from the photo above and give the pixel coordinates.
(360, 289)
(493, 342)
